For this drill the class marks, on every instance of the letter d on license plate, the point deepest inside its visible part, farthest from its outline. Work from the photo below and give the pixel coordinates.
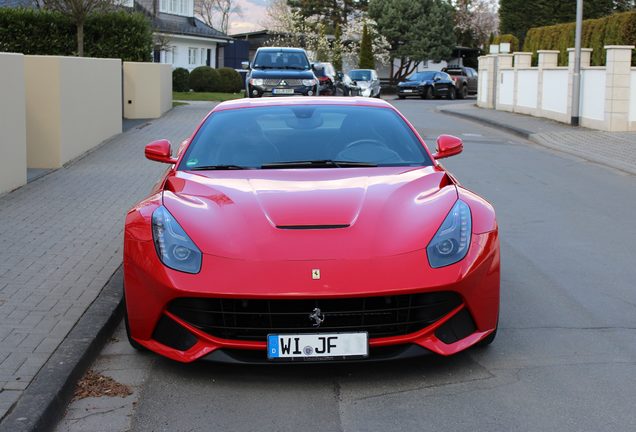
(328, 346)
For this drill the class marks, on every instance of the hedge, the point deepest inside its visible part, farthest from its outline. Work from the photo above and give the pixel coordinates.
(180, 80)
(511, 39)
(616, 29)
(230, 81)
(118, 34)
(204, 79)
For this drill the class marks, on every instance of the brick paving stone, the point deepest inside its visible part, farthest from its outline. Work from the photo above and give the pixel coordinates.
(61, 240)
(614, 149)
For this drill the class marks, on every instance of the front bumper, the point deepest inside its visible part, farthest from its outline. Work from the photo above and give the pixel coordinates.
(263, 91)
(150, 288)
(410, 91)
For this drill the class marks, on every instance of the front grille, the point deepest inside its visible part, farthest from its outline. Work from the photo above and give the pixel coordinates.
(408, 88)
(277, 82)
(254, 319)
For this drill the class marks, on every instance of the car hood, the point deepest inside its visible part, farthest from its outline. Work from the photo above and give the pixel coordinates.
(363, 84)
(282, 74)
(412, 83)
(301, 214)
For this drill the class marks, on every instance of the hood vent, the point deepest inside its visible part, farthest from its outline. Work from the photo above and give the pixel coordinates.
(311, 227)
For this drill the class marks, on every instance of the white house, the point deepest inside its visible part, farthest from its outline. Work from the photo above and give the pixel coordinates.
(180, 38)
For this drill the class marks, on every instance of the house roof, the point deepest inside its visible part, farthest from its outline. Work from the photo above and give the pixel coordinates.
(17, 3)
(188, 26)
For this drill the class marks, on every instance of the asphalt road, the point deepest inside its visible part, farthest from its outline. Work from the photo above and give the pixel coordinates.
(565, 356)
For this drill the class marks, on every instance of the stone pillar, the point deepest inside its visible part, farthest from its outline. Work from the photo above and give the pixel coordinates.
(505, 61)
(617, 86)
(522, 60)
(486, 85)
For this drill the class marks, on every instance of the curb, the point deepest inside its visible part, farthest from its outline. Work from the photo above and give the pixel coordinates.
(523, 133)
(44, 401)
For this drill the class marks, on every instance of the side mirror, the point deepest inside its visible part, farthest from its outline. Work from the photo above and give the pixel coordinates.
(159, 151)
(339, 75)
(436, 78)
(448, 145)
(245, 65)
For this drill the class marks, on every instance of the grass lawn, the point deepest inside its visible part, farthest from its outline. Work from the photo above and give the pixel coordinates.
(205, 96)
(176, 104)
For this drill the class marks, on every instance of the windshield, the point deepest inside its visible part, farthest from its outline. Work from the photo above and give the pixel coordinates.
(276, 135)
(422, 76)
(268, 59)
(454, 72)
(360, 75)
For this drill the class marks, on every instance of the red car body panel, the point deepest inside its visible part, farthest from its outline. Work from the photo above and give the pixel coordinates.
(391, 214)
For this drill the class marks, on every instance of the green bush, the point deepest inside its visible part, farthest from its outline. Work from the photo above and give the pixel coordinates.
(616, 29)
(180, 80)
(511, 39)
(230, 81)
(204, 79)
(123, 35)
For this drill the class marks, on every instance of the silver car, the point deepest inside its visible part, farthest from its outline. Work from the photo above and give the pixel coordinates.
(368, 81)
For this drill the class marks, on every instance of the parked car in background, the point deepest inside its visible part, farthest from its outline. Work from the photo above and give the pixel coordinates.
(345, 86)
(465, 80)
(326, 74)
(427, 85)
(280, 72)
(368, 81)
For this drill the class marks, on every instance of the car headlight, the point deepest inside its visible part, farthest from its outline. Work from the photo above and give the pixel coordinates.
(174, 247)
(309, 82)
(450, 243)
(256, 81)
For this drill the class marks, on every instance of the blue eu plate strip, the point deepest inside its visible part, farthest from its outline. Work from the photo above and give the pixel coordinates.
(272, 346)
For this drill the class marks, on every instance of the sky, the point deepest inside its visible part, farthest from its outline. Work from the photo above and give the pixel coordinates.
(252, 18)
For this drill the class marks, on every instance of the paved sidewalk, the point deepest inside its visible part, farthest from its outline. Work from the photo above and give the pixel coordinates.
(61, 240)
(614, 149)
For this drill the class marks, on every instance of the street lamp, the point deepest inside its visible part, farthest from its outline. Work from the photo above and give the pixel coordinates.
(576, 79)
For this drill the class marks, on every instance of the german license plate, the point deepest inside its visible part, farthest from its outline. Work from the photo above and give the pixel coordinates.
(282, 91)
(407, 91)
(317, 346)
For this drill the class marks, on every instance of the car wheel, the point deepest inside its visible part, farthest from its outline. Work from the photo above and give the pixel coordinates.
(133, 343)
(428, 93)
(461, 94)
(451, 93)
(401, 97)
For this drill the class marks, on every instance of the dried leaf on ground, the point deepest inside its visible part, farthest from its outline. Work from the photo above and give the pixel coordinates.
(94, 384)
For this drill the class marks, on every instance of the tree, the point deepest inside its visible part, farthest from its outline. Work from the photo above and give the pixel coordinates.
(78, 11)
(416, 30)
(322, 45)
(217, 13)
(329, 12)
(366, 60)
(475, 21)
(336, 50)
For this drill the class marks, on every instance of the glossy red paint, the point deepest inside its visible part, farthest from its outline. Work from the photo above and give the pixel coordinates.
(159, 151)
(447, 146)
(232, 216)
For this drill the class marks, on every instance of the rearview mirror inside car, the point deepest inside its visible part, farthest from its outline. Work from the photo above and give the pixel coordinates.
(159, 151)
(448, 145)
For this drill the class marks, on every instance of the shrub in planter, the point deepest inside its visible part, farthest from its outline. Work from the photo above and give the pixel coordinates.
(230, 81)
(204, 79)
(180, 80)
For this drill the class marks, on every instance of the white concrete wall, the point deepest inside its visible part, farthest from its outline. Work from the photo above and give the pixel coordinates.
(554, 95)
(632, 100)
(147, 90)
(506, 87)
(592, 93)
(483, 85)
(12, 122)
(527, 88)
(72, 105)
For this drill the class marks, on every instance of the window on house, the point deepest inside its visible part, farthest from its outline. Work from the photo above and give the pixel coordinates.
(178, 7)
(192, 55)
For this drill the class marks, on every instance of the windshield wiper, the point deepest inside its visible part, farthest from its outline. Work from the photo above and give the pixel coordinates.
(295, 67)
(322, 163)
(217, 167)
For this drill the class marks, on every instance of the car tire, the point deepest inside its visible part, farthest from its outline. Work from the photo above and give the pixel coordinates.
(451, 94)
(428, 93)
(488, 339)
(133, 343)
(401, 97)
(461, 94)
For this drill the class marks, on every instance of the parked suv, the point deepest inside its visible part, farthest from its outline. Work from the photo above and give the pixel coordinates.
(280, 72)
(465, 80)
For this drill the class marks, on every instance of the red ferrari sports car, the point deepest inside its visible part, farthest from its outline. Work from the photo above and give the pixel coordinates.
(309, 229)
